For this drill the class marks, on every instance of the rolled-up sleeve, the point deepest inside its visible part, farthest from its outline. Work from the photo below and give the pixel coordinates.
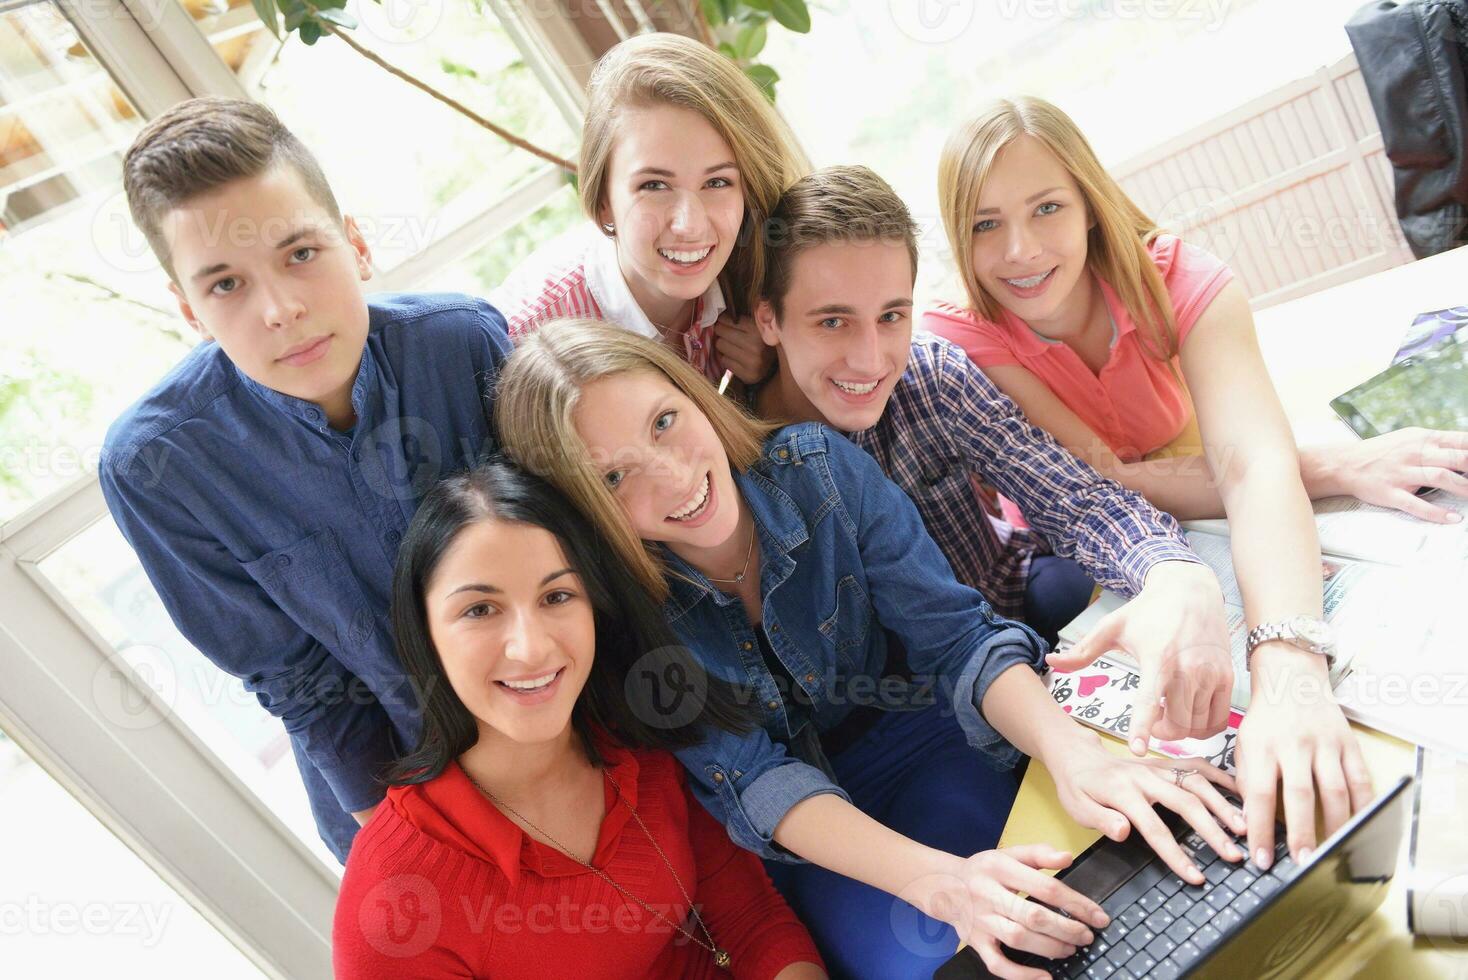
(749, 782)
(331, 713)
(949, 630)
(1112, 532)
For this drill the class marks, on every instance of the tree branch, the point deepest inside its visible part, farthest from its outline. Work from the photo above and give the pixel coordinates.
(457, 106)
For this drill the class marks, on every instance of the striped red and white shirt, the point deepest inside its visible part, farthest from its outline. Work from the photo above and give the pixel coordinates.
(576, 274)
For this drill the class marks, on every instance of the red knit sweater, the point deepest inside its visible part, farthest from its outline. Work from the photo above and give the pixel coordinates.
(439, 883)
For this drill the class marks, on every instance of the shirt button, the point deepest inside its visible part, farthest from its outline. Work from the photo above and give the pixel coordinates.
(281, 561)
(783, 454)
(746, 645)
(773, 705)
(775, 628)
(393, 537)
(718, 777)
(810, 678)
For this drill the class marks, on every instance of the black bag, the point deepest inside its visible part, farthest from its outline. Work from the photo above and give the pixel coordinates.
(1414, 60)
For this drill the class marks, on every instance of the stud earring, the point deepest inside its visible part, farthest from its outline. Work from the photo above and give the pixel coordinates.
(609, 229)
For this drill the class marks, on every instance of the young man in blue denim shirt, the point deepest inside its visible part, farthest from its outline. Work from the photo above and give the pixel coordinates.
(266, 481)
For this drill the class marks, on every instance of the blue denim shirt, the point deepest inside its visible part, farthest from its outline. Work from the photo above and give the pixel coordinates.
(271, 537)
(844, 560)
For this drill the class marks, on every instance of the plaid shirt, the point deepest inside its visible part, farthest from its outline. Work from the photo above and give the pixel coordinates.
(947, 426)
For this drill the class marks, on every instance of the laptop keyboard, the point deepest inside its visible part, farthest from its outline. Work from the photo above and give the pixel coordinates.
(1160, 925)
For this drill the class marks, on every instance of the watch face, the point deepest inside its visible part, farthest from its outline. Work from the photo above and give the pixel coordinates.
(1312, 631)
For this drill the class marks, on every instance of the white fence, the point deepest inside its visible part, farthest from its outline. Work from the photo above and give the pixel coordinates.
(1292, 189)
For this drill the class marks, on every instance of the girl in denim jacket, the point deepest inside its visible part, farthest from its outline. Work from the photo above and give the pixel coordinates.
(797, 571)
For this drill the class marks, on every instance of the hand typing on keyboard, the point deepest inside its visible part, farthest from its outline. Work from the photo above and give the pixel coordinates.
(980, 897)
(1113, 794)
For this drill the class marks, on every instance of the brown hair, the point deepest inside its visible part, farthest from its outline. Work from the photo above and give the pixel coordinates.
(1117, 243)
(669, 69)
(201, 145)
(535, 407)
(832, 205)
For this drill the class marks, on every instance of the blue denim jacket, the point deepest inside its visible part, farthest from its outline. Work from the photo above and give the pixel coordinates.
(844, 560)
(271, 537)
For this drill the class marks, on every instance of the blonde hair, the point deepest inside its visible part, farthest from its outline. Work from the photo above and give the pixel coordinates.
(669, 69)
(1117, 244)
(535, 406)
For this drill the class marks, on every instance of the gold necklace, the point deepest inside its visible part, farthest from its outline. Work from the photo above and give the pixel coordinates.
(748, 553)
(721, 956)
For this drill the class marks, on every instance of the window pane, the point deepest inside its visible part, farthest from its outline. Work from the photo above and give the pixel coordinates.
(88, 323)
(1133, 75)
(78, 903)
(99, 574)
(407, 166)
(484, 269)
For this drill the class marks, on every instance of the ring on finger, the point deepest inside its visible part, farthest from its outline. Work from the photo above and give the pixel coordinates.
(1178, 775)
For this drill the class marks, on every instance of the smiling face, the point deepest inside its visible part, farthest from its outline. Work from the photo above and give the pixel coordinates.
(1029, 236)
(263, 270)
(675, 199)
(846, 330)
(661, 458)
(513, 627)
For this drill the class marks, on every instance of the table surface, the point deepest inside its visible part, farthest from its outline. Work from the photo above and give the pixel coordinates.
(1316, 347)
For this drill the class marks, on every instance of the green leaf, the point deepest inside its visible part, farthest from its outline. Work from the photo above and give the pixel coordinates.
(310, 32)
(793, 15)
(751, 42)
(727, 50)
(265, 10)
(338, 17)
(765, 77)
(763, 5)
(713, 12)
(454, 68)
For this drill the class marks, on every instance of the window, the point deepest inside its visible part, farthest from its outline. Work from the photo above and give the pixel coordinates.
(88, 324)
(78, 903)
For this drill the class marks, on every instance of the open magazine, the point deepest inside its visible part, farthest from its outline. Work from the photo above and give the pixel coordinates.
(1394, 592)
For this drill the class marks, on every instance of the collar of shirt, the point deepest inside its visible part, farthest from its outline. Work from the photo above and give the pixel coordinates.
(778, 521)
(310, 412)
(614, 297)
(1029, 342)
(452, 810)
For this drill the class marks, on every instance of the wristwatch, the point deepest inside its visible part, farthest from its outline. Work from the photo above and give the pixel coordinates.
(1305, 632)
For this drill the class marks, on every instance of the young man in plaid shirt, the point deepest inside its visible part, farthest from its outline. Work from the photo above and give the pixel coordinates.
(837, 308)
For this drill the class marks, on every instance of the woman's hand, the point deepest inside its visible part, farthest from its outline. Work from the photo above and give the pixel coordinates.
(1294, 733)
(741, 349)
(1112, 794)
(1175, 631)
(1388, 470)
(980, 896)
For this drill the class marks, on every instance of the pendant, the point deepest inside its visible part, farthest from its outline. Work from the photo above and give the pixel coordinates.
(721, 959)
(739, 578)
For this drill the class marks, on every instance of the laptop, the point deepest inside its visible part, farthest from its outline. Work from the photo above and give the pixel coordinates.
(1241, 922)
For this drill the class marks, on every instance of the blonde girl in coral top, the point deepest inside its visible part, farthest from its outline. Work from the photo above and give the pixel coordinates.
(1113, 336)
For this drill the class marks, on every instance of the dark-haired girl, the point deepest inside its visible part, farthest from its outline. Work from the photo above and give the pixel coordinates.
(539, 829)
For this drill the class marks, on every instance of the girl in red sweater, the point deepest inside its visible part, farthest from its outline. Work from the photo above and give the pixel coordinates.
(540, 829)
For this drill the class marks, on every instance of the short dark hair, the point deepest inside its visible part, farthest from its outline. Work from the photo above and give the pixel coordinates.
(201, 145)
(830, 206)
(631, 631)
